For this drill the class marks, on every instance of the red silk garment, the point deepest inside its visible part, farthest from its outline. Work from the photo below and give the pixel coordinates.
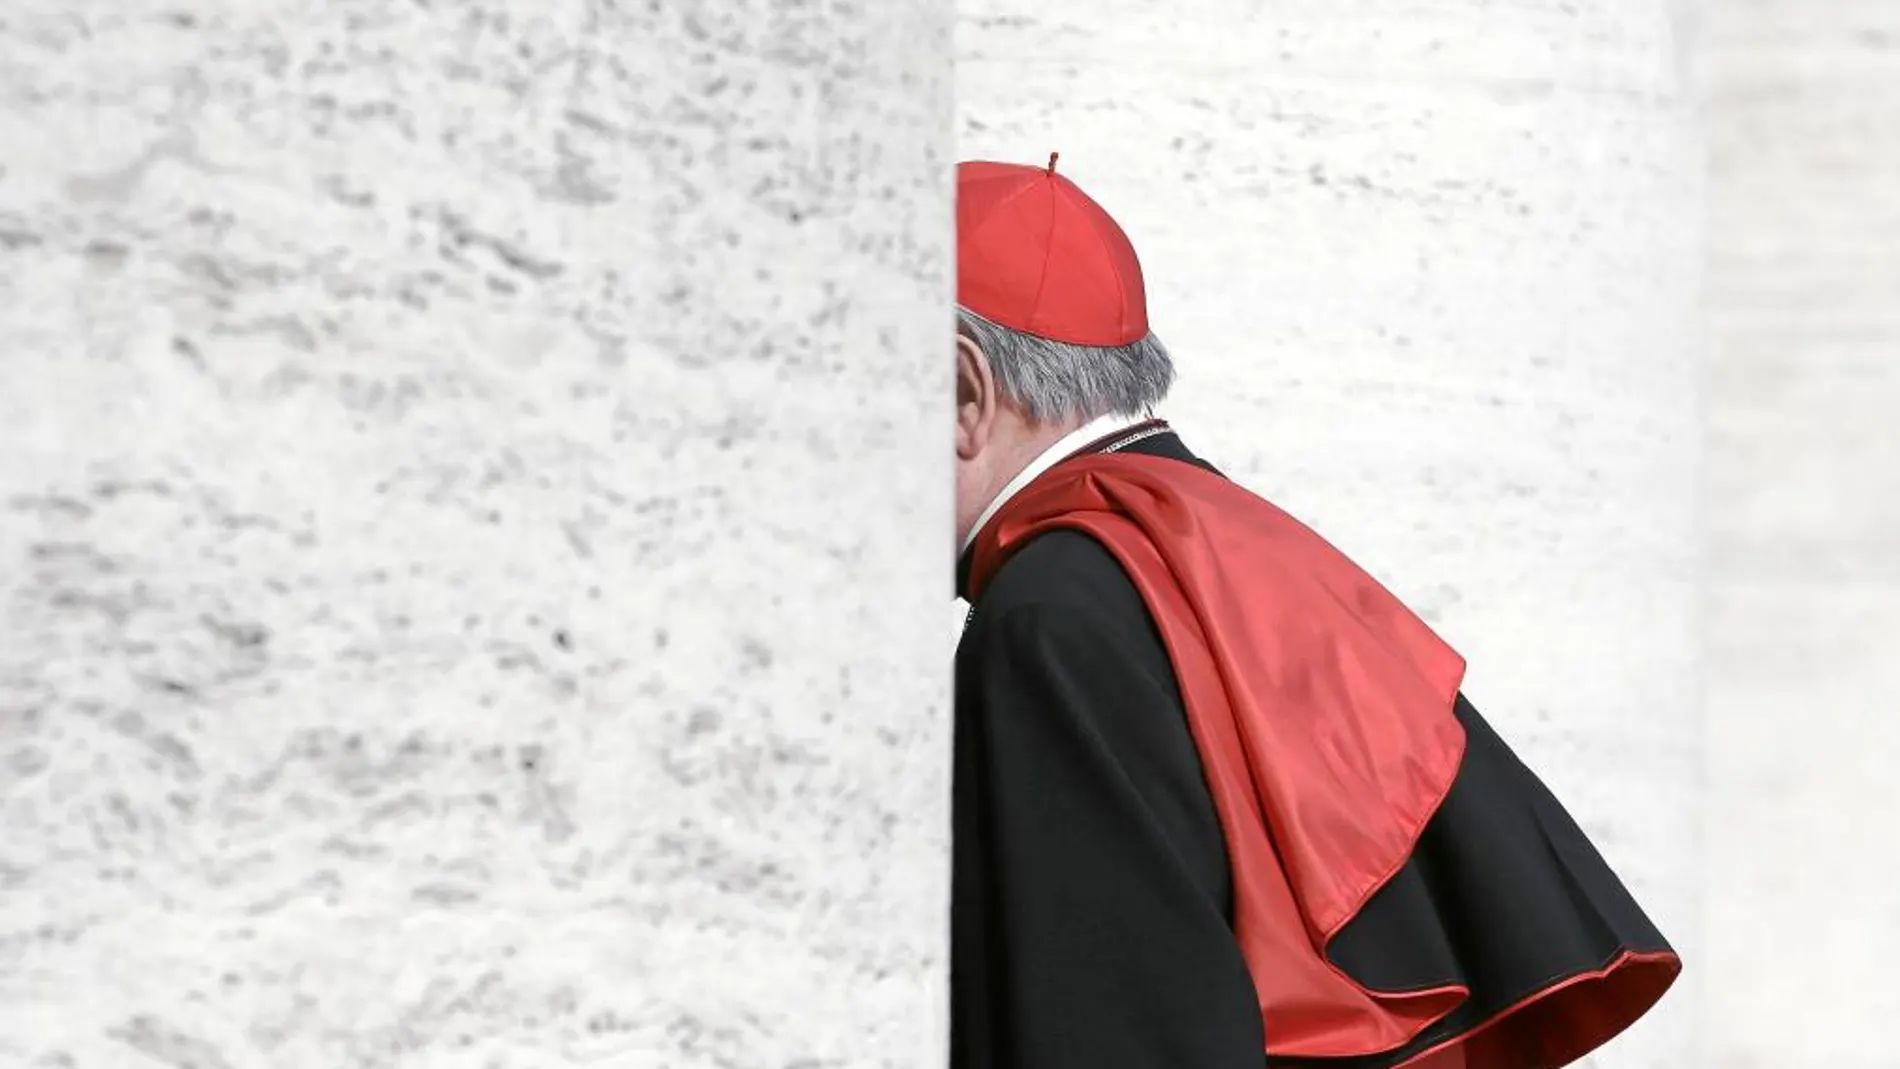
(1322, 709)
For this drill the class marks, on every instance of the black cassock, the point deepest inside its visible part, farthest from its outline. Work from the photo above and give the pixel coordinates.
(1091, 902)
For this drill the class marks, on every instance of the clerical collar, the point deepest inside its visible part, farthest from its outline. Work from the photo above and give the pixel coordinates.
(1065, 447)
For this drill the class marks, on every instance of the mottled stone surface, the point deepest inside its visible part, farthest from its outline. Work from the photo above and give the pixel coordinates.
(1804, 731)
(1431, 275)
(462, 469)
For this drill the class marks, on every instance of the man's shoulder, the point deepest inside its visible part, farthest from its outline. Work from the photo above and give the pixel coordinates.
(1063, 573)
(1063, 599)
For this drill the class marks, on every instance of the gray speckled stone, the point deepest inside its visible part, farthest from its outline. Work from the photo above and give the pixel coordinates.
(462, 469)
(1804, 917)
(1431, 276)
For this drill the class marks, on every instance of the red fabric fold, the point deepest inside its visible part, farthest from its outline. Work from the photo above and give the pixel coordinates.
(1322, 709)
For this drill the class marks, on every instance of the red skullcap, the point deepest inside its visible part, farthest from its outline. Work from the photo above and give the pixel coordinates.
(1036, 255)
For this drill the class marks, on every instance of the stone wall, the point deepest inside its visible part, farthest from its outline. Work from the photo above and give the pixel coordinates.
(462, 469)
(1804, 525)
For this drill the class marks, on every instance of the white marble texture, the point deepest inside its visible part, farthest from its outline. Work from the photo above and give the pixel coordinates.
(1804, 651)
(462, 474)
(1431, 275)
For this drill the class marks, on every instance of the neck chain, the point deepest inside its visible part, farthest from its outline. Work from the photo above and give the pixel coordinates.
(1139, 434)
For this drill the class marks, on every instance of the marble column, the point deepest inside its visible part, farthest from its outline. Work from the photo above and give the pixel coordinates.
(462, 469)
(1804, 919)
(1431, 276)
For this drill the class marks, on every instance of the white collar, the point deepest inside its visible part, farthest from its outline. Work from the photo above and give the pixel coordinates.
(1062, 449)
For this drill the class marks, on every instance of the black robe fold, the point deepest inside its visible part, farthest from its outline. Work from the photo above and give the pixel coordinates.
(1091, 903)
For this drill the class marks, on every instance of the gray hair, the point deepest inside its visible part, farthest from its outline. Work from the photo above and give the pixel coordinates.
(1056, 381)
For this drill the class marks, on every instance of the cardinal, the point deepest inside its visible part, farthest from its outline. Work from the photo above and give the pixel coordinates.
(1219, 797)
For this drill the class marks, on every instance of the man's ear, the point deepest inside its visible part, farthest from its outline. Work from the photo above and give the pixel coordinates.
(976, 399)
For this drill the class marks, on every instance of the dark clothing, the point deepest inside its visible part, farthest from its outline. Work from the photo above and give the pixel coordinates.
(1091, 899)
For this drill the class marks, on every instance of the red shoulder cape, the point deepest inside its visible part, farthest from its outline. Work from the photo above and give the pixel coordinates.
(1322, 709)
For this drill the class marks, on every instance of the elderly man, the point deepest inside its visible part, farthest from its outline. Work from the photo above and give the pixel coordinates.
(1219, 800)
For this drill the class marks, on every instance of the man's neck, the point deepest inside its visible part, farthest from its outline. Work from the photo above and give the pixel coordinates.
(1051, 454)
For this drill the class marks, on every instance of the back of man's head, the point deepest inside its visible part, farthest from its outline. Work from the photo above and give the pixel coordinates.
(1050, 289)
